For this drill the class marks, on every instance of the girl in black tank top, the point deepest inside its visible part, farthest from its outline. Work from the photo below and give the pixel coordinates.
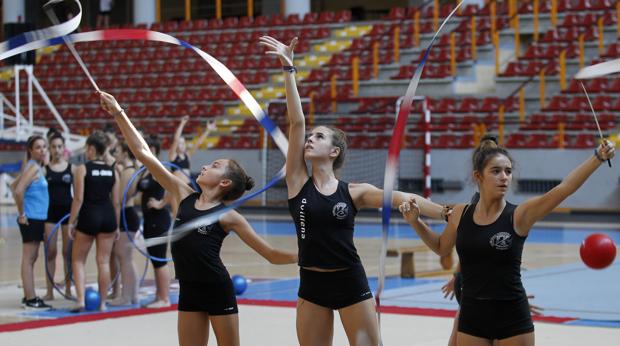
(59, 175)
(206, 291)
(180, 152)
(324, 209)
(94, 217)
(489, 237)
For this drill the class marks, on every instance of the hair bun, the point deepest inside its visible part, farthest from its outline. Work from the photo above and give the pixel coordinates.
(488, 142)
(249, 183)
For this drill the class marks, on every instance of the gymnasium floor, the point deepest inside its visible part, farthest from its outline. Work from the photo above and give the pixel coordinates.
(581, 305)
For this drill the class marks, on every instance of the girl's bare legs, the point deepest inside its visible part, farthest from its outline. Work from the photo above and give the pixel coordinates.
(52, 251)
(81, 246)
(30, 251)
(360, 323)
(315, 324)
(105, 241)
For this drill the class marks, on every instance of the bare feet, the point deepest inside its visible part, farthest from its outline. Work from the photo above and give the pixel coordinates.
(158, 304)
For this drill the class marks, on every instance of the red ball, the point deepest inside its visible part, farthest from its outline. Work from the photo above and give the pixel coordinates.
(597, 251)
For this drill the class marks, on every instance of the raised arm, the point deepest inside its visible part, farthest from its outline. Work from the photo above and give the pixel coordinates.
(140, 149)
(211, 127)
(441, 244)
(537, 208)
(369, 196)
(236, 222)
(172, 153)
(296, 170)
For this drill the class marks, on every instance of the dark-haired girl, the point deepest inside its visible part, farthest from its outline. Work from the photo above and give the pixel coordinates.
(94, 216)
(489, 237)
(206, 290)
(59, 174)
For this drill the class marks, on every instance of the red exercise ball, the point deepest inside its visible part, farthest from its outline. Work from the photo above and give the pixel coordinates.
(597, 251)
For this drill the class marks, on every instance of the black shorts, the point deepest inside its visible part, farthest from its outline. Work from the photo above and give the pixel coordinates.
(33, 231)
(57, 212)
(458, 286)
(495, 319)
(95, 219)
(334, 290)
(157, 223)
(214, 298)
(132, 218)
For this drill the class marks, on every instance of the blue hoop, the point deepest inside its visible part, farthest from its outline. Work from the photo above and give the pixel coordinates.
(124, 219)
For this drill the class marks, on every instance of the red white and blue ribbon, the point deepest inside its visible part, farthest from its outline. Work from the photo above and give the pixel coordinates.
(54, 36)
(392, 160)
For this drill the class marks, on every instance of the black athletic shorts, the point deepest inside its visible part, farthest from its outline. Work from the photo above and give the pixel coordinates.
(132, 218)
(57, 212)
(33, 231)
(156, 223)
(95, 219)
(334, 290)
(495, 319)
(214, 298)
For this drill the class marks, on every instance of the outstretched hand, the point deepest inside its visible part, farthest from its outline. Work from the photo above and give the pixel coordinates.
(606, 150)
(109, 103)
(279, 49)
(410, 210)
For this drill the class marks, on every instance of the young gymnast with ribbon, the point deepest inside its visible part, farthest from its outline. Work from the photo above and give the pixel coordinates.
(323, 208)
(95, 212)
(206, 291)
(59, 174)
(489, 237)
(181, 152)
(32, 201)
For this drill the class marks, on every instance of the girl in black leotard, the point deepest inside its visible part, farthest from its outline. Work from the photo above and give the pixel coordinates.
(180, 152)
(94, 217)
(323, 207)
(59, 175)
(206, 291)
(489, 237)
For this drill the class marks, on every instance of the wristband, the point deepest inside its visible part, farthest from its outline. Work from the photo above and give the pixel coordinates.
(289, 69)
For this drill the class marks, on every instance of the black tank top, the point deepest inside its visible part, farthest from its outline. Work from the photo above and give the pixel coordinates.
(197, 255)
(325, 227)
(59, 186)
(98, 183)
(490, 256)
(183, 163)
(150, 189)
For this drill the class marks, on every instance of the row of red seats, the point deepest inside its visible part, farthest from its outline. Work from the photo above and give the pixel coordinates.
(530, 68)
(594, 86)
(580, 103)
(572, 122)
(545, 6)
(431, 71)
(249, 22)
(400, 13)
(148, 111)
(218, 51)
(544, 140)
(365, 58)
(341, 73)
(550, 51)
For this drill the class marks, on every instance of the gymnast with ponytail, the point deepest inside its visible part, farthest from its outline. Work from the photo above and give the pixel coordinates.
(206, 294)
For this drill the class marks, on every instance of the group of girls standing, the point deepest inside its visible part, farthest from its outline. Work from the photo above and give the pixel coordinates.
(488, 234)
